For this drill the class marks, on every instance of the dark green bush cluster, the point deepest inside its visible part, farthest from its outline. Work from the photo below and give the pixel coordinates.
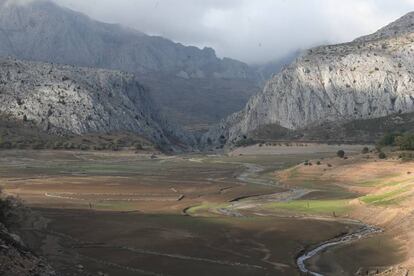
(406, 156)
(245, 142)
(307, 163)
(37, 143)
(340, 153)
(365, 150)
(388, 139)
(403, 141)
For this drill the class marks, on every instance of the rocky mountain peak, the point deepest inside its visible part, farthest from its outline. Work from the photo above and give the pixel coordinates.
(401, 26)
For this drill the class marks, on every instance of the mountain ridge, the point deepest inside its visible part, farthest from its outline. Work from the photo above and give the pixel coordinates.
(44, 31)
(75, 100)
(370, 77)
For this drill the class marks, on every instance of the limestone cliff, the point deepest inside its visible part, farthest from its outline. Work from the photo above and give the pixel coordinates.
(68, 99)
(368, 78)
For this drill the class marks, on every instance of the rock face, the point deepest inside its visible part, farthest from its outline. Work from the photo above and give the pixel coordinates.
(368, 78)
(42, 31)
(67, 99)
(16, 258)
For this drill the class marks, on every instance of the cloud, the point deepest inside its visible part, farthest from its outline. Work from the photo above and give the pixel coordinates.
(15, 2)
(253, 31)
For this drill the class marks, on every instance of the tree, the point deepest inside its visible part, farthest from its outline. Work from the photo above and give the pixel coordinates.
(389, 139)
(405, 142)
(340, 153)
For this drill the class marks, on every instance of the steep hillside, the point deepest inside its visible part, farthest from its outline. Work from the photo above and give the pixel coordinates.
(42, 31)
(371, 77)
(73, 100)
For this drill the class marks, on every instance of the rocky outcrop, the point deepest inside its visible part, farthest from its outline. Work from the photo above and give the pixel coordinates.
(67, 99)
(368, 78)
(16, 258)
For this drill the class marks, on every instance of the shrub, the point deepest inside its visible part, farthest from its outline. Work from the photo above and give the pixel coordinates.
(340, 153)
(84, 147)
(68, 145)
(388, 139)
(38, 146)
(405, 142)
(365, 150)
(138, 146)
(245, 142)
(318, 163)
(382, 155)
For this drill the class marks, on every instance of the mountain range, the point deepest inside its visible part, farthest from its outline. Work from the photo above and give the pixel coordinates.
(327, 88)
(68, 73)
(43, 31)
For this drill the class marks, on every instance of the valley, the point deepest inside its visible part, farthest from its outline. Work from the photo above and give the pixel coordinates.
(124, 152)
(245, 213)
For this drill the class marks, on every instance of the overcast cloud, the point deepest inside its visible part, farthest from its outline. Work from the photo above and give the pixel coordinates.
(254, 31)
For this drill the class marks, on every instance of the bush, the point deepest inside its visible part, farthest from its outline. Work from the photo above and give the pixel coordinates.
(84, 147)
(406, 156)
(405, 142)
(382, 155)
(340, 153)
(318, 163)
(365, 150)
(388, 139)
(245, 142)
(5, 210)
(138, 146)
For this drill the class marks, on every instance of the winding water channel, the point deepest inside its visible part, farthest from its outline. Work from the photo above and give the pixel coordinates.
(250, 176)
(361, 233)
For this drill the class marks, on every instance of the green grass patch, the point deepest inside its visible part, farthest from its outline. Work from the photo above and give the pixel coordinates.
(388, 198)
(381, 181)
(311, 206)
(205, 207)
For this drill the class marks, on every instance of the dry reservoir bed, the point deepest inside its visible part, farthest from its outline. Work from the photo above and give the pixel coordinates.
(126, 214)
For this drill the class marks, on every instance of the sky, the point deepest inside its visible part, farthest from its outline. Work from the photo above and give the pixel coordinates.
(253, 31)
